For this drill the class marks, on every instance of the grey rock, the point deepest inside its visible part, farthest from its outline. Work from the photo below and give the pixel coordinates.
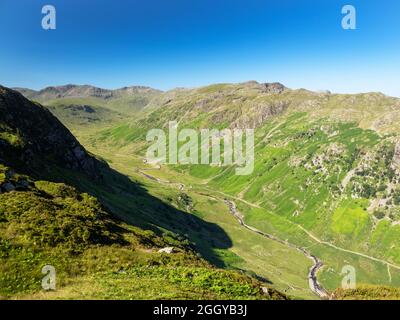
(265, 291)
(167, 250)
(274, 88)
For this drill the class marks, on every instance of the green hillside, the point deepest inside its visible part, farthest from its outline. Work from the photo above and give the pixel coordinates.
(324, 194)
(101, 230)
(326, 173)
(368, 292)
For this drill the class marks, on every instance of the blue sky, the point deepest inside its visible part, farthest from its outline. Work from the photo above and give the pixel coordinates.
(188, 43)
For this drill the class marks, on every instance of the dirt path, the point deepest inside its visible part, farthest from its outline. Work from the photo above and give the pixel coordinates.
(312, 275)
(312, 236)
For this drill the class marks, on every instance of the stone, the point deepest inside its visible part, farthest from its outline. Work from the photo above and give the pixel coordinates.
(167, 250)
(274, 88)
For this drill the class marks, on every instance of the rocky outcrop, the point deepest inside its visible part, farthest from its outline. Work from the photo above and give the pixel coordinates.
(274, 88)
(167, 250)
(261, 113)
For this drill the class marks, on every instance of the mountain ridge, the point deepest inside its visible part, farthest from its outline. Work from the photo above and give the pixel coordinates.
(68, 89)
(81, 91)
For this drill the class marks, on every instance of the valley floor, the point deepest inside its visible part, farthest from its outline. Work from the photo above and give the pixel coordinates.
(283, 262)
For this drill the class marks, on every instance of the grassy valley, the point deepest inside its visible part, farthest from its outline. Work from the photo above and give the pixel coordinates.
(326, 176)
(104, 233)
(326, 182)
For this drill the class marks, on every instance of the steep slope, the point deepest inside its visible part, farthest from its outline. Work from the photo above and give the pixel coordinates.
(326, 168)
(44, 220)
(34, 141)
(252, 104)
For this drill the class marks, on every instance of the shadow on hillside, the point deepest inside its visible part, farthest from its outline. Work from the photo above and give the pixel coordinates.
(131, 202)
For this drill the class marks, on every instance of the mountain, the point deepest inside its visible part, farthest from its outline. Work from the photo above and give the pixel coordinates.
(324, 193)
(326, 178)
(105, 235)
(91, 107)
(252, 104)
(83, 91)
(28, 93)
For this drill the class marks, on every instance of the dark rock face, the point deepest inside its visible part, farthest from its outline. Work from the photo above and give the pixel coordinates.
(43, 136)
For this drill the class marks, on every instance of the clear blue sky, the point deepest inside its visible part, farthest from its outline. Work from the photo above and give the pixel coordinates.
(171, 43)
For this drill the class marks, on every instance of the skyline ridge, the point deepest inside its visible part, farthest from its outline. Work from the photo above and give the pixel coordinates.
(139, 86)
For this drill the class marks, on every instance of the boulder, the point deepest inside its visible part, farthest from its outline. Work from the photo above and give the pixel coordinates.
(167, 250)
(265, 291)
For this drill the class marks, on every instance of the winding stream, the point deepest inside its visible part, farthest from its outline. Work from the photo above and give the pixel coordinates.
(315, 286)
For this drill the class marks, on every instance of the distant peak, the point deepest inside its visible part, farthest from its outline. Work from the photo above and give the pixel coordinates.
(274, 87)
(137, 88)
(250, 82)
